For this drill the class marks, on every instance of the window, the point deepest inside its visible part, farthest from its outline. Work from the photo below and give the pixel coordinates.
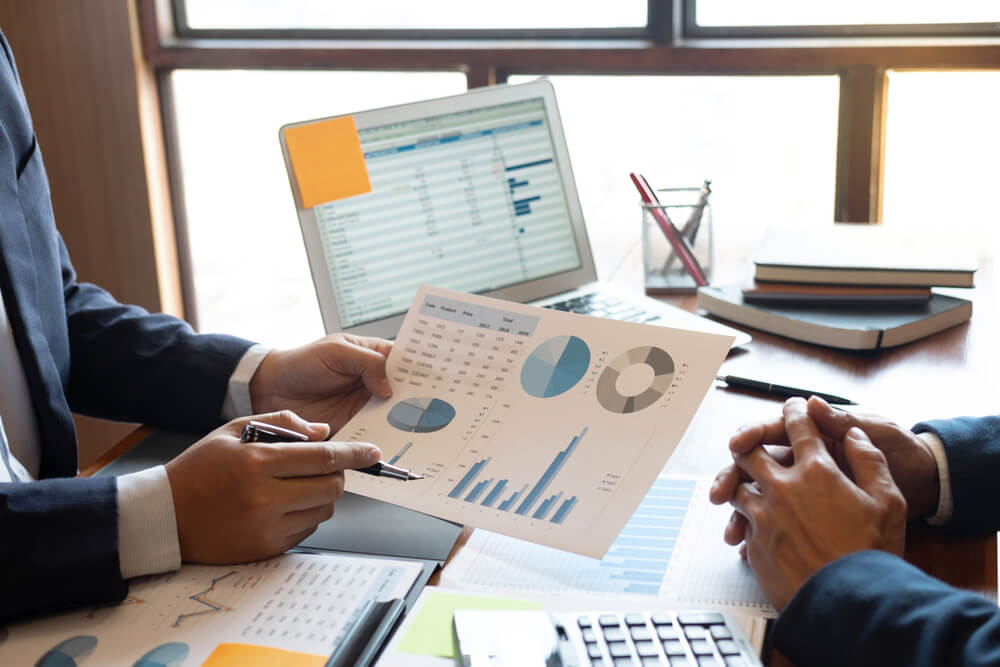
(409, 15)
(768, 144)
(847, 17)
(942, 145)
(245, 246)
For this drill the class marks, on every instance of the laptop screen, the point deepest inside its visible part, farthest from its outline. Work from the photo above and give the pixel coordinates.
(471, 200)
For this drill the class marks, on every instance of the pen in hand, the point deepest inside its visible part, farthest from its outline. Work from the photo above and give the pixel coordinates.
(780, 389)
(256, 431)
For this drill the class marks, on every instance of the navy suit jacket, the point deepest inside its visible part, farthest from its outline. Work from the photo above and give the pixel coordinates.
(872, 608)
(81, 351)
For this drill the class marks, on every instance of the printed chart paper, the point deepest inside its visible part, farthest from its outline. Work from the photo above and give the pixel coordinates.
(538, 424)
(671, 550)
(302, 603)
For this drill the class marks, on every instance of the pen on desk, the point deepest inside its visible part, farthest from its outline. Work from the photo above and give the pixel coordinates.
(256, 431)
(780, 389)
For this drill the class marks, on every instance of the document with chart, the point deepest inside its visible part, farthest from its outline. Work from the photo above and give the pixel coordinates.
(289, 610)
(537, 424)
(671, 549)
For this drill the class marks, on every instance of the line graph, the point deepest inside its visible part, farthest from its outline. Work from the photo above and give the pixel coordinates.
(199, 597)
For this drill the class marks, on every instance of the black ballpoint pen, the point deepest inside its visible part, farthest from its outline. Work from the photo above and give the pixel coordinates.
(256, 431)
(780, 389)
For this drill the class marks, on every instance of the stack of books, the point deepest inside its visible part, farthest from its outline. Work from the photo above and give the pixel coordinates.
(850, 286)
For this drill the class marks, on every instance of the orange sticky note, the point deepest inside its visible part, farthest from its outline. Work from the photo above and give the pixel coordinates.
(327, 160)
(247, 655)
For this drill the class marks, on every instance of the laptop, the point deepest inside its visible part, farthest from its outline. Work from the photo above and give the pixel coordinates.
(472, 192)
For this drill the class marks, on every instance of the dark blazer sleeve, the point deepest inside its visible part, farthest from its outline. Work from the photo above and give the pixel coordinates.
(972, 446)
(873, 608)
(59, 544)
(130, 365)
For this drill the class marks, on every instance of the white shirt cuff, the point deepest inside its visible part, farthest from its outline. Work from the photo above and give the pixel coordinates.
(944, 508)
(237, 403)
(147, 525)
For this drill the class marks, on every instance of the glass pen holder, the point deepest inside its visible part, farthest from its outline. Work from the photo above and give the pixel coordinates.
(690, 211)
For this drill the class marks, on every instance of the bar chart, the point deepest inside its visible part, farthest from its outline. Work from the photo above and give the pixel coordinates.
(528, 499)
(636, 563)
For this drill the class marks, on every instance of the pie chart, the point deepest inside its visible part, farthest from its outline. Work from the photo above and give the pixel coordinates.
(73, 651)
(555, 366)
(421, 415)
(613, 400)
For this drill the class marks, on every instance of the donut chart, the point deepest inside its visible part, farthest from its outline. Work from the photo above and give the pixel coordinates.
(607, 385)
(421, 415)
(555, 366)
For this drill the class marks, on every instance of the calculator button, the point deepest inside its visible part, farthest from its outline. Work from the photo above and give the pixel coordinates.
(635, 619)
(584, 622)
(614, 634)
(701, 647)
(619, 650)
(708, 661)
(608, 621)
(674, 647)
(640, 633)
(588, 635)
(695, 632)
(646, 649)
(624, 662)
(661, 619)
(651, 662)
(679, 661)
(728, 647)
(700, 618)
(720, 632)
(593, 651)
(667, 632)
(596, 662)
(736, 661)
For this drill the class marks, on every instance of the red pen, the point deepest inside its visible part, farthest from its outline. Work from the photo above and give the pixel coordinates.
(678, 242)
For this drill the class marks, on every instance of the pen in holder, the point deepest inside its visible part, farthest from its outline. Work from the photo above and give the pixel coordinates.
(691, 212)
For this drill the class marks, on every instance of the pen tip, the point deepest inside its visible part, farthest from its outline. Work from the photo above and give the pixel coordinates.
(413, 475)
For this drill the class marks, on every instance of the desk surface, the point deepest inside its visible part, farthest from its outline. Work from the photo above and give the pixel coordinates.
(944, 375)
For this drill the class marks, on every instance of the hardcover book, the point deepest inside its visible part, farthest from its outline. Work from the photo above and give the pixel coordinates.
(860, 254)
(851, 328)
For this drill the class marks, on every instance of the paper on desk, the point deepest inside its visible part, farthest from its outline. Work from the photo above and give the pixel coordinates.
(301, 604)
(670, 554)
(542, 425)
(426, 637)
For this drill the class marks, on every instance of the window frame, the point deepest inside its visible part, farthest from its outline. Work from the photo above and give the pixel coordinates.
(667, 46)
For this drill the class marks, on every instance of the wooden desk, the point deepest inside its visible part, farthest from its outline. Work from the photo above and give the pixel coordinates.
(944, 375)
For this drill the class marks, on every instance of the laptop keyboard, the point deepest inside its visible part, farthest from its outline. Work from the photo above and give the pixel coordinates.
(693, 639)
(604, 305)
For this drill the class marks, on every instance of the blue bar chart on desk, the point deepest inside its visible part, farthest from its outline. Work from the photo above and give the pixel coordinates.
(670, 550)
(636, 563)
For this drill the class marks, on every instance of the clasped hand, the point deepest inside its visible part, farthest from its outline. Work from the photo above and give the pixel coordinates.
(819, 484)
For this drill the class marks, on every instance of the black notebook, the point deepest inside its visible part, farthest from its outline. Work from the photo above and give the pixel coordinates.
(851, 327)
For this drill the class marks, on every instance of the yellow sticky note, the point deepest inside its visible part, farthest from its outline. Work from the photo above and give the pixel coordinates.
(248, 655)
(433, 631)
(327, 160)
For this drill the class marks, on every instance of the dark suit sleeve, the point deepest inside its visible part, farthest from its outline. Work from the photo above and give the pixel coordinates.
(972, 446)
(130, 365)
(873, 608)
(59, 544)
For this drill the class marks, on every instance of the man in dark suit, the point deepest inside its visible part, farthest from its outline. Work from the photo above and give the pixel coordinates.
(822, 498)
(67, 345)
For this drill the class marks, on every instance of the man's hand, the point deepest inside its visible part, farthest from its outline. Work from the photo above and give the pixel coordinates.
(802, 516)
(910, 460)
(325, 381)
(237, 502)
